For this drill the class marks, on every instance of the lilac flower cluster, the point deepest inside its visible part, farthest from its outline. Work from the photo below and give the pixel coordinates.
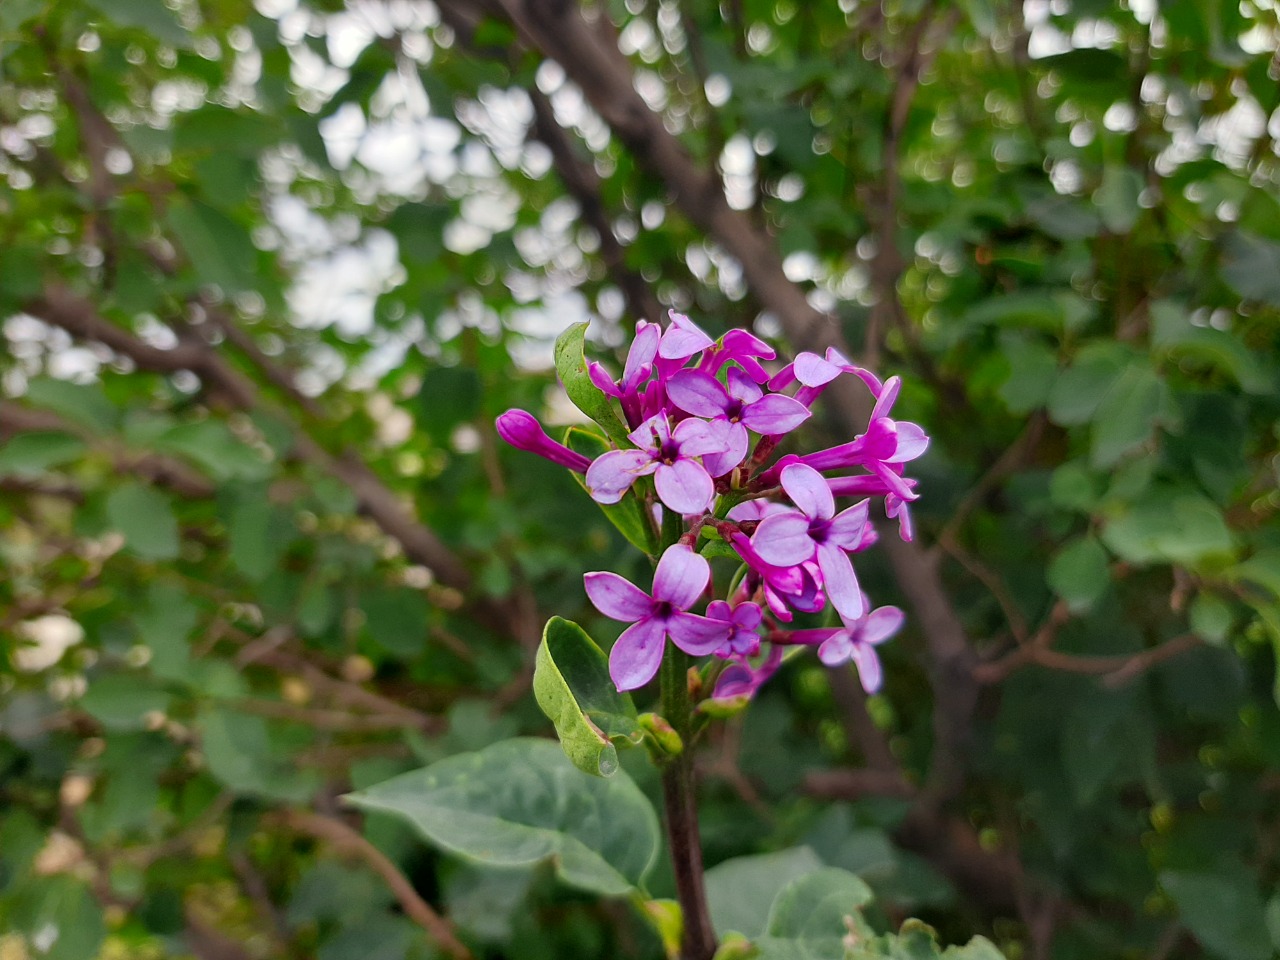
(705, 418)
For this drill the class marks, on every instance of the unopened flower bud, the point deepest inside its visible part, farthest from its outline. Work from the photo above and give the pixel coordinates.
(523, 431)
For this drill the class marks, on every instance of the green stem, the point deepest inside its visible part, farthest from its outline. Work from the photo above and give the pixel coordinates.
(680, 807)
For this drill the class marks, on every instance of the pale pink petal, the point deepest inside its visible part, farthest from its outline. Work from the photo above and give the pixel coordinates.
(835, 650)
(696, 393)
(840, 581)
(681, 576)
(912, 442)
(683, 338)
(684, 486)
(616, 597)
(696, 437)
(868, 664)
(775, 414)
(695, 635)
(808, 490)
(652, 433)
(612, 474)
(637, 654)
(783, 540)
(847, 527)
(734, 446)
(644, 348)
(881, 624)
(813, 371)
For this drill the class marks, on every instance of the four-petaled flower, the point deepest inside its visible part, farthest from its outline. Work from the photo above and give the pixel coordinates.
(682, 482)
(744, 624)
(816, 531)
(857, 641)
(678, 582)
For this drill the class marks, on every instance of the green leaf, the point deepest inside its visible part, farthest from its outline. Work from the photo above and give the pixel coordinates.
(84, 404)
(1079, 574)
(1251, 265)
(31, 454)
(121, 701)
(1117, 198)
(586, 396)
(1223, 911)
(219, 250)
(813, 908)
(1078, 391)
(1127, 415)
(1173, 331)
(1032, 368)
(239, 751)
(521, 802)
(628, 513)
(571, 683)
(741, 891)
(69, 910)
(397, 620)
(1169, 525)
(146, 519)
(1210, 617)
(150, 16)
(214, 448)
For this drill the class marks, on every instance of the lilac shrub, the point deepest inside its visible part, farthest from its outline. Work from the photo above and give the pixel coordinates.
(703, 422)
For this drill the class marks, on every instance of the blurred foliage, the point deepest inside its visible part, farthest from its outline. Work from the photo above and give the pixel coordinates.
(268, 273)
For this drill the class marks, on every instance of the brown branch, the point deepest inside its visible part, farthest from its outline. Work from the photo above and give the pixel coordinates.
(347, 841)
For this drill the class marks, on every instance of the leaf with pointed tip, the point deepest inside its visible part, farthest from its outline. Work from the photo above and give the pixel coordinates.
(571, 683)
(628, 513)
(586, 396)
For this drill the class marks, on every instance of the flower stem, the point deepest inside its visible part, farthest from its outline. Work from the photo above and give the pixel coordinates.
(680, 807)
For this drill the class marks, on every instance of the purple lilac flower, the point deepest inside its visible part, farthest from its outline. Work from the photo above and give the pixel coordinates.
(796, 585)
(639, 367)
(678, 582)
(816, 531)
(682, 340)
(742, 405)
(522, 430)
(740, 680)
(743, 348)
(744, 622)
(855, 641)
(682, 482)
(815, 373)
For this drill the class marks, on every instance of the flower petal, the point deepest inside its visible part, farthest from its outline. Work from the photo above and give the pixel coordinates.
(813, 371)
(881, 624)
(783, 540)
(840, 581)
(888, 396)
(612, 474)
(742, 387)
(808, 490)
(600, 377)
(695, 635)
(681, 576)
(696, 393)
(637, 654)
(683, 338)
(654, 432)
(836, 649)
(775, 414)
(644, 348)
(685, 486)
(696, 437)
(616, 597)
(735, 444)
(848, 526)
(912, 442)
(868, 664)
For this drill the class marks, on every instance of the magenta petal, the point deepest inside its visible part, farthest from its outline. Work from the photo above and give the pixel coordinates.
(783, 540)
(847, 527)
(637, 654)
(652, 433)
(840, 581)
(834, 650)
(868, 664)
(600, 377)
(684, 486)
(644, 348)
(681, 576)
(696, 393)
(808, 490)
(743, 342)
(616, 597)
(888, 396)
(881, 624)
(735, 443)
(742, 387)
(612, 474)
(775, 414)
(695, 635)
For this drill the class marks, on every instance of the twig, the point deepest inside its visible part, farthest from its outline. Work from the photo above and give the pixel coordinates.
(349, 842)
